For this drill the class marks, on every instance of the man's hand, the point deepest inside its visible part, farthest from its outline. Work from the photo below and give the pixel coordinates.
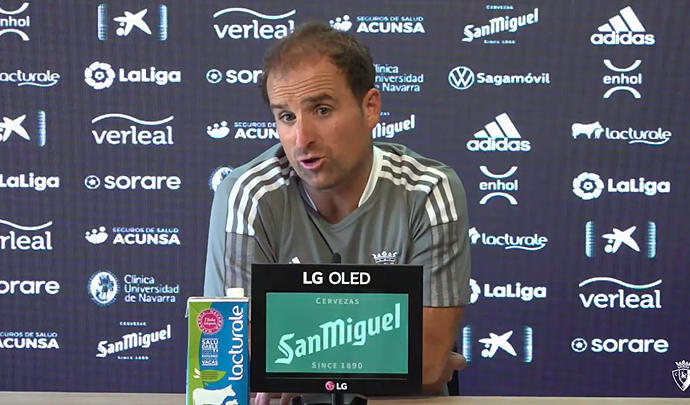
(263, 398)
(438, 362)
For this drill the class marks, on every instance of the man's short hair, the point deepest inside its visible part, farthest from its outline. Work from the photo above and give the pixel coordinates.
(347, 53)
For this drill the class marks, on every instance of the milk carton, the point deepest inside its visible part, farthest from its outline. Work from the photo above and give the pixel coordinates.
(218, 351)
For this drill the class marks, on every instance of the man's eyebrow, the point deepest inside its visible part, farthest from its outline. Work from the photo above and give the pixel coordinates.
(309, 101)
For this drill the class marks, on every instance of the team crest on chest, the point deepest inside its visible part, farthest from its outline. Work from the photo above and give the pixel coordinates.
(385, 257)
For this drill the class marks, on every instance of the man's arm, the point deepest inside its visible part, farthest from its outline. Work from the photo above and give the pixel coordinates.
(440, 330)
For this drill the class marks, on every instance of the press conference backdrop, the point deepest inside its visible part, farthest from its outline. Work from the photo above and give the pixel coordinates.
(566, 120)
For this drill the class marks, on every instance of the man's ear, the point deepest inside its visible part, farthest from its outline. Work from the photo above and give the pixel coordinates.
(371, 107)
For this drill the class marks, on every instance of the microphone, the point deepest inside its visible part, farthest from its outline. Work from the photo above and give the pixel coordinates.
(336, 258)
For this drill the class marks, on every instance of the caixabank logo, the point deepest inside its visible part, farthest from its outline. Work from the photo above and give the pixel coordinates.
(132, 23)
(621, 239)
(133, 346)
(104, 288)
(516, 344)
(102, 75)
(499, 30)
(15, 23)
(25, 238)
(133, 182)
(238, 23)
(623, 28)
(134, 236)
(499, 135)
(118, 129)
(21, 127)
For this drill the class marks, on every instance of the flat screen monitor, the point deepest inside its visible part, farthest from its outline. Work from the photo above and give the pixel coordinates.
(336, 328)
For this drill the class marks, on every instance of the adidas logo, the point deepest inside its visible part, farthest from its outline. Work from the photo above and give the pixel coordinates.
(623, 29)
(499, 136)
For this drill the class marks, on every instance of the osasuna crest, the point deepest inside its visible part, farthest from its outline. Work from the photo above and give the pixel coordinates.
(681, 375)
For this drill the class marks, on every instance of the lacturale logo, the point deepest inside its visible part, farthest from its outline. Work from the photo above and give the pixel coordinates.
(36, 79)
(594, 131)
(132, 22)
(499, 136)
(12, 23)
(136, 131)
(262, 26)
(507, 241)
(626, 296)
(336, 333)
(623, 28)
(589, 186)
(101, 75)
(25, 238)
(18, 127)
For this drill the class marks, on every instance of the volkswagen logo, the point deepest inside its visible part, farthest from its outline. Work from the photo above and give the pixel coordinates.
(461, 78)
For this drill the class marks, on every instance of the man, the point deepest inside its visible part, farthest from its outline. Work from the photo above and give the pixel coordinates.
(326, 189)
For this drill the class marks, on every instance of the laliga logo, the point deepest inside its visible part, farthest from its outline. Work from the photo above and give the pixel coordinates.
(101, 75)
(588, 186)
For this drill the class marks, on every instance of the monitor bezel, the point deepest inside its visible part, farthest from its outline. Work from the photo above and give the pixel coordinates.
(392, 279)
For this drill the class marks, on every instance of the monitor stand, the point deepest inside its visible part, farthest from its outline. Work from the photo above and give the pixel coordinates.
(336, 399)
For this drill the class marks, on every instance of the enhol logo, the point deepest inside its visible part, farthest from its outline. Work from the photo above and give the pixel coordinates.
(101, 75)
(142, 236)
(589, 186)
(391, 79)
(620, 345)
(462, 78)
(337, 333)
(595, 131)
(624, 80)
(623, 28)
(29, 340)
(93, 182)
(390, 24)
(132, 341)
(514, 290)
(499, 136)
(498, 25)
(620, 299)
(507, 241)
(12, 23)
(25, 238)
(37, 79)
(499, 187)
(133, 134)
(234, 76)
(255, 30)
(10, 126)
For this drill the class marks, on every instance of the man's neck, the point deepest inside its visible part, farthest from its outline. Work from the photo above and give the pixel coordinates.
(336, 203)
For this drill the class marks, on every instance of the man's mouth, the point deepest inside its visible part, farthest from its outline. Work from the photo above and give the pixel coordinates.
(310, 163)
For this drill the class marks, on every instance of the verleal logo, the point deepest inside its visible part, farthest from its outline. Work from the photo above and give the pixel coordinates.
(153, 133)
(620, 345)
(103, 288)
(217, 176)
(265, 29)
(498, 345)
(623, 80)
(589, 186)
(26, 238)
(499, 136)
(595, 131)
(127, 23)
(341, 23)
(101, 75)
(634, 297)
(499, 187)
(93, 182)
(16, 126)
(462, 78)
(623, 28)
(12, 23)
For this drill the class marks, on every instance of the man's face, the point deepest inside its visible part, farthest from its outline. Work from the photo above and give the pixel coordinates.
(324, 130)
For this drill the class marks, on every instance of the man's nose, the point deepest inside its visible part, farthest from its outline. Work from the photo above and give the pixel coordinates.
(305, 132)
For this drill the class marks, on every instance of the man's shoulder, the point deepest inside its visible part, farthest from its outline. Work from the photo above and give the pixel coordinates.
(269, 167)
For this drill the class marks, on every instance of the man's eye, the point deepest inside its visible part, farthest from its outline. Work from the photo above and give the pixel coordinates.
(286, 117)
(323, 110)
